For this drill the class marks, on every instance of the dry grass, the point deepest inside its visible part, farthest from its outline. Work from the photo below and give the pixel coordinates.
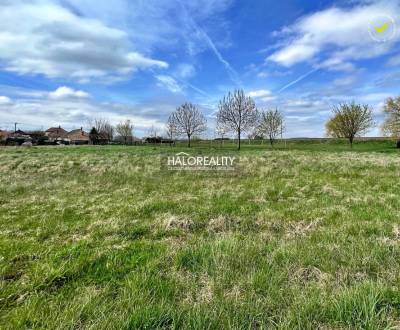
(293, 239)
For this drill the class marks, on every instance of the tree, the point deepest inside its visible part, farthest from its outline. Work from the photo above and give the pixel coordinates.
(350, 120)
(391, 126)
(124, 130)
(94, 136)
(188, 120)
(152, 132)
(271, 125)
(221, 131)
(170, 128)
(104, 128)
(237, 113)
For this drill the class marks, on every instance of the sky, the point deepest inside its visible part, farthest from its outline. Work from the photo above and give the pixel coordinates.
(67, 62)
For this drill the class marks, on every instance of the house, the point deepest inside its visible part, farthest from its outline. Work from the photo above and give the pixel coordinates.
(57, 134)
(16, 138)
(78, 136)
(4, 135)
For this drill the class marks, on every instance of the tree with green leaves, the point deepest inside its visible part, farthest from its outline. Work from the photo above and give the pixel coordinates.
(349, 121)
(391, 126)
(94, 136)
(271, 125)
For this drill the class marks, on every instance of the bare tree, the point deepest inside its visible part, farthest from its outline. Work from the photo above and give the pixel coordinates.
(271, 125)
(221, 131)
(237, 113)
(124, 129)
(152, 132)
(170, 128)
(349, 121)
(104, 128)
(188, 120)
(391, 126)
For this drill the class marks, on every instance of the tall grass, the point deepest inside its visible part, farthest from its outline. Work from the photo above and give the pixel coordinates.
(305, 237)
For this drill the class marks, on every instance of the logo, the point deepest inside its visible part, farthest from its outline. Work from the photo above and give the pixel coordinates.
(185, 162)
(382, 28)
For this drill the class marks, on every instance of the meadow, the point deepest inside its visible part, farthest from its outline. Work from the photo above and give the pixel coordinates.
(302, 236)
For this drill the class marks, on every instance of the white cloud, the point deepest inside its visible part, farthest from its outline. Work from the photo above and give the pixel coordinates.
(68, 93)
(262, 74)
(348, 81)
(342, 32)
(42, 37)
(163, 24)
(262, 94)
(185, 71)
(4, 100)
(169, 83)
(336, 64)
(44, 112)
(294, 54)
(394, 61)
(303, 103)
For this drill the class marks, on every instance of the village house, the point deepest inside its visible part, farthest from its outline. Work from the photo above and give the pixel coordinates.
(57, 134)
(78, 136)
(4, 135)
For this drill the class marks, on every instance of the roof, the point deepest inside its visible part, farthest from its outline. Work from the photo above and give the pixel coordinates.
(78, 135)
(56, 132)
(4, 134)
(18, 134)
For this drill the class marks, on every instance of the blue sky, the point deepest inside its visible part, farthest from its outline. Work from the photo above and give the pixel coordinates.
(66, 62)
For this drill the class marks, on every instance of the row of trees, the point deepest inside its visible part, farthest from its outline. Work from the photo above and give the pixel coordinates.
(237, 113)
(103, 130)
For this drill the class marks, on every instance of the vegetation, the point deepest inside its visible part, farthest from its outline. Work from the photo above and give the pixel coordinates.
(350, 120)
(300, 237)
(237, 113)
(391, 125)
(271, 125)
(94, 135)
(124, 130)
(187, 120)
(104, 128)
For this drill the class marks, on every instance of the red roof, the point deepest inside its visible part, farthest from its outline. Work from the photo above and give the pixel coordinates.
(56, 132)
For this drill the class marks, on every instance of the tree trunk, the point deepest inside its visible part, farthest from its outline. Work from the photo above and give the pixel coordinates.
(189, 141)
(239, 139)
(351, 143)
(398, 144)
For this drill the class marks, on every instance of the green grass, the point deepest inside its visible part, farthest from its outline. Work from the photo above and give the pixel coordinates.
(305, 236)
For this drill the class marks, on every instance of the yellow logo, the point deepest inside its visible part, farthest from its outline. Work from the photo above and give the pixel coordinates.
(382, 28)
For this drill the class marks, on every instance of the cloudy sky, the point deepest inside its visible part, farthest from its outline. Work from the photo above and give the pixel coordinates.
(65, 62)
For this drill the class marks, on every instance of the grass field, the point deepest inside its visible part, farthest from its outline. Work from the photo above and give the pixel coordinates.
(305, 236)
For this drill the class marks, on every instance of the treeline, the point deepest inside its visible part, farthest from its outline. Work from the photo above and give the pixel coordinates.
(238, 114)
